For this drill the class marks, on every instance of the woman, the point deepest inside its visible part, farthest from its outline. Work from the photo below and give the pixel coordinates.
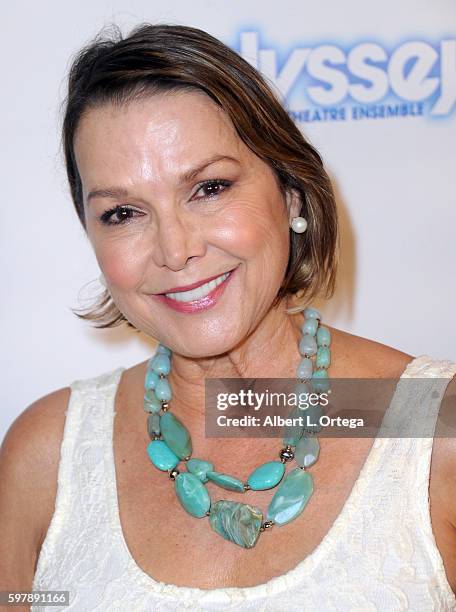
(183, 168)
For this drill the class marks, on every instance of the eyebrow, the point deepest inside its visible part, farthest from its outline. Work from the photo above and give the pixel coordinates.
(120, 192)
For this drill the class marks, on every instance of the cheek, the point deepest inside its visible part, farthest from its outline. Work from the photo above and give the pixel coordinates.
(121, 263)
(260, 230)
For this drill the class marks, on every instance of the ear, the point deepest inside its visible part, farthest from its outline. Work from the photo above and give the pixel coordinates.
(294, 204)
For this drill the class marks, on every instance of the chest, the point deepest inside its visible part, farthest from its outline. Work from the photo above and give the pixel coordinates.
(174, 547)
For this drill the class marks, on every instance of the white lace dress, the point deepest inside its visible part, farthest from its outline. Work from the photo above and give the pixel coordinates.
(379, 555)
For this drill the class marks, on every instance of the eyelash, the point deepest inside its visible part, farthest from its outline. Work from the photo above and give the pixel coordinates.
(105, 218)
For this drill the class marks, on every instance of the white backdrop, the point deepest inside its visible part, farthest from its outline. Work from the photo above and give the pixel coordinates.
(394, 174)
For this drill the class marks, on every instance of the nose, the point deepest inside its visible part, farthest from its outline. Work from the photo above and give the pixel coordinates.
(178, 239)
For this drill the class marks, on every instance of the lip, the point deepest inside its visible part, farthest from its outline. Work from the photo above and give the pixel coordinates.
(204, 303)
(193, 285)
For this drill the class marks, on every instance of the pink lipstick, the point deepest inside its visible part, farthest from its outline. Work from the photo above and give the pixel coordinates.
(197, 305)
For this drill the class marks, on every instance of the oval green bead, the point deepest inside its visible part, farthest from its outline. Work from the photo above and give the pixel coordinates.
(227, 482)
(160, 364)
(293, 439)
(151, 402)
(320, 381)
(310, 326)
(307, 345)
(323, 358)
(312, 313)
(292, 433)
(192, 494)
(305, 368)
(307, 451)
(323, 336)
(266, 476)
(302, 391)
(176, 435)
(153, 424)
(199, 467)
(291, 497)
(150, 380)
(163, 390)
(312, 416)
(161, 455)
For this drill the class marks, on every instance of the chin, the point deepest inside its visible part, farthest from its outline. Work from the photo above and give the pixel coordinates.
(204, 346)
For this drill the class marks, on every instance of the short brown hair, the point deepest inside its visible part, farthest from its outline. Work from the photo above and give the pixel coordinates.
(154, 58)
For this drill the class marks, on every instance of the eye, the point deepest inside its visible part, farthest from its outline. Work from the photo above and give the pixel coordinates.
(213, 188)
(124, 215)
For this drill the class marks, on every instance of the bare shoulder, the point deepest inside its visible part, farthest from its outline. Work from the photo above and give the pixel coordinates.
(443, 473)
(29, 460)
(442, 486)
(358, 357)
(362, 357)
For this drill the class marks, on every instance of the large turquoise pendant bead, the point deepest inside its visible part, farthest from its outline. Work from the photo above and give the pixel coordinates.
(236, 522)
(176, 435)
(291, 497)
(161, 455)
(199, 467)
(192, 494)
(266, 476)
(226, 481)
(307, 451)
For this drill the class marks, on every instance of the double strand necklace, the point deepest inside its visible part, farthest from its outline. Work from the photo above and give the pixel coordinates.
(171, 443)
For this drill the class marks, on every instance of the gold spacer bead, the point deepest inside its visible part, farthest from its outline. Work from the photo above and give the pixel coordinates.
(286, 454)
(173, 473)
(165, 406)
(246, 486)
(266, 525)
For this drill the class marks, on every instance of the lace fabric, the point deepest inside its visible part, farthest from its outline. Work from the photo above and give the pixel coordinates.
(379, 555)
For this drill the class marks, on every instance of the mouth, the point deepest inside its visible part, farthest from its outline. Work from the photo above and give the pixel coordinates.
(202, 297)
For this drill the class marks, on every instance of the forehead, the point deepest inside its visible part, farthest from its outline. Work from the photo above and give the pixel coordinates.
(162, 132)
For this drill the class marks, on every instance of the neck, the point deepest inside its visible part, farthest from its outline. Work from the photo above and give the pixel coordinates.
(277, 334)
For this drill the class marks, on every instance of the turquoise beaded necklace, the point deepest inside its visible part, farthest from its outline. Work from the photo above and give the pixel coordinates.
(171, 443)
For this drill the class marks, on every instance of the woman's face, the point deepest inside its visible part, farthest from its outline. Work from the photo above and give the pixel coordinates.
(195, 203)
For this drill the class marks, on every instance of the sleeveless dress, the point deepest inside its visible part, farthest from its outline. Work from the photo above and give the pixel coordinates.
(379, 555)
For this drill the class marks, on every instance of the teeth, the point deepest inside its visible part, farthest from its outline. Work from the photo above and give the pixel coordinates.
(199, 292)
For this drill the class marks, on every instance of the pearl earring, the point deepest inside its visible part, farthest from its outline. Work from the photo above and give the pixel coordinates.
(299, 225)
